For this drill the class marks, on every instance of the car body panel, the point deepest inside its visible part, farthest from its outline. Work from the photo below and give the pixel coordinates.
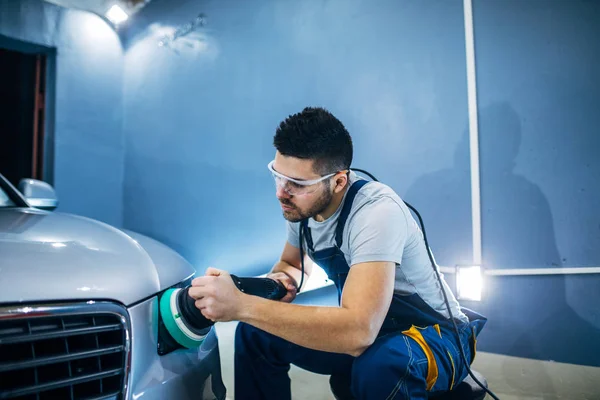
(95, 260)
(170, 266)
(183, 374)
(98, 261)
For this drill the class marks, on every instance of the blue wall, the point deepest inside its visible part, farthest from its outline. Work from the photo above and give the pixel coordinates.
(541, 59)
(539, 96)
(539, 173)
(85, 109)
(199, 121)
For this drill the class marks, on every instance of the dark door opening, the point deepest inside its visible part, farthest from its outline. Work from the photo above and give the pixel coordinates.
(22, 115)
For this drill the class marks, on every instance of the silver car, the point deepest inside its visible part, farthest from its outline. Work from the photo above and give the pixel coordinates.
(79, 312)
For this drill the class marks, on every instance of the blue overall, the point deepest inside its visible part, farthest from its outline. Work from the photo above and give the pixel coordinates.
(414, 356)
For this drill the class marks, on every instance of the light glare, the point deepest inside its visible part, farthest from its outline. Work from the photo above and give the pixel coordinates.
(116, 15)
(469, 283)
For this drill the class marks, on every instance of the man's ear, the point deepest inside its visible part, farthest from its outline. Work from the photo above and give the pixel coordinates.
(341, 181)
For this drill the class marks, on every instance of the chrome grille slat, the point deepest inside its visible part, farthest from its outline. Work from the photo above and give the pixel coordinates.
(51, 360)
(69, 351)
(58, 384)
(104, 397)
(58, 334)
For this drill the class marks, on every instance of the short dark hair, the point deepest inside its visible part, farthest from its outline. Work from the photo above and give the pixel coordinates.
(315, 134)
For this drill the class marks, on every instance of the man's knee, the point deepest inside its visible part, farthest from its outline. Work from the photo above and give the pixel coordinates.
(391, 372)
(248, 336)
(372, 366)
(256, 343)
(243, 331)
(247, 339)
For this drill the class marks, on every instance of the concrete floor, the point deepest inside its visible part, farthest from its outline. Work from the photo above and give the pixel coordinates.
(510, 378)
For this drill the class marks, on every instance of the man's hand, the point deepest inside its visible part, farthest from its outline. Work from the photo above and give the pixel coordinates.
(216, 296)
(288, 283)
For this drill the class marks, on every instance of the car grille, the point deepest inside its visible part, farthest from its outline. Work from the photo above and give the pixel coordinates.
(64, 351)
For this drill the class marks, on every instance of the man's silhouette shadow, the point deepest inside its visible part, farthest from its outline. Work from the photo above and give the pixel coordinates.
(529, 316)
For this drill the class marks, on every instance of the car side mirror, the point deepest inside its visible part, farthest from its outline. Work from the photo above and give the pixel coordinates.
(38, 194)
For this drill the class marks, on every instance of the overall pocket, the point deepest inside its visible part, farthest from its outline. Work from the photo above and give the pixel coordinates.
(418, 335)
(442, 360)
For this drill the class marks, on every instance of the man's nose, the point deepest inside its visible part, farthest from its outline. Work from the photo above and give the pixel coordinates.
(281, 192)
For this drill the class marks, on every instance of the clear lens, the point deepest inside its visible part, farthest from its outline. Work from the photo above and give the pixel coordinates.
(293, 188)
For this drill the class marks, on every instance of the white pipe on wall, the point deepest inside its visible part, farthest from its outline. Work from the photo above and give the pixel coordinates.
(530, 271)
(473, 132)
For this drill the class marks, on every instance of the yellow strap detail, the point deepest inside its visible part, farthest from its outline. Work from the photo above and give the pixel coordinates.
(453, 369)
(474, 345)
(437, 328)
(432, 368)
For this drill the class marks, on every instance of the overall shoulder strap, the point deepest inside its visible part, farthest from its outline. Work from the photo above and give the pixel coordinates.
(356, 186)
(304, 232)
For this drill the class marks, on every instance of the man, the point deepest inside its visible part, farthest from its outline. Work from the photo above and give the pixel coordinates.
(391, 336)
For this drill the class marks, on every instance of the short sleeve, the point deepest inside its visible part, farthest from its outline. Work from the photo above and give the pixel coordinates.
(378, 232)
(293, 236)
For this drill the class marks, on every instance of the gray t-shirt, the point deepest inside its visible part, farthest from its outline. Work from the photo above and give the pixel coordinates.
(380, 227)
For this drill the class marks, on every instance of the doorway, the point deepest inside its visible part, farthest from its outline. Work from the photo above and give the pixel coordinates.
(22, 114)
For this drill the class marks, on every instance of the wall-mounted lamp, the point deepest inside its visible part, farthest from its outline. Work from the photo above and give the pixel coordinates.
(469, 282)
(116, 15)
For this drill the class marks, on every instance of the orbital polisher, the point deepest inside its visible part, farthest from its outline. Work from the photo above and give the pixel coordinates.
(182, 325)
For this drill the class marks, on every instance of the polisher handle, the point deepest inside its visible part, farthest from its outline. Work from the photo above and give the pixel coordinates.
(262, 287)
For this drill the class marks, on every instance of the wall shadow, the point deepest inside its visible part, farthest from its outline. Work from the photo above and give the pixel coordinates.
(529, 316)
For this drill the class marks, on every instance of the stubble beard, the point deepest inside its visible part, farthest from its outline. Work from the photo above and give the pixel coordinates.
(297, 215)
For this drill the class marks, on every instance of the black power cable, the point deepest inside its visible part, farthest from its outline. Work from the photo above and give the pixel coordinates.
(437, 273)
(301, 259)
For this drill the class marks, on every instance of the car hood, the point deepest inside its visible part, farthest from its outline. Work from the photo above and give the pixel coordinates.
(50, 256)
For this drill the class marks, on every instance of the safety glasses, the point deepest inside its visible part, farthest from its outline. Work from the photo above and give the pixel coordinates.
(296, 187)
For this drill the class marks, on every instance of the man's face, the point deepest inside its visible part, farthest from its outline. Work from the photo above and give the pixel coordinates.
(297, 207)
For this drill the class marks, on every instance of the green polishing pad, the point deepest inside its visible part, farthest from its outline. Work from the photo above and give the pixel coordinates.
(173, 322)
